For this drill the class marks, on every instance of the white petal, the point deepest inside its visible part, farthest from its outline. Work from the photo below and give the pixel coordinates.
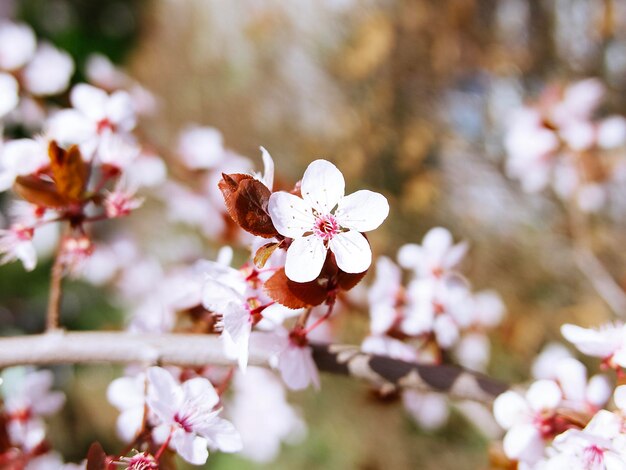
(222, 435)
(363, 210)
(89, 100)
(544, 395)
(437, 241)
(237, 327)
(509, 409)
(190, 447)
(305, 258)
(129, 423)
(410, 256)
(164, 394)
(352, 251)
(200, 388)
(120, 111)
(430, 410)
(523, 443)
(268, 169)
(589, 341)
(572, 376)
(599, 390)
(126, 392)
(297, 368)
(216, 295)
(322, 186)
(291, 215)
(620, 397)
(8, 93)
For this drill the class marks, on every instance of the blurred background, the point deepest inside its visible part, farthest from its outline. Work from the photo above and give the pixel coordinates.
(407, 97)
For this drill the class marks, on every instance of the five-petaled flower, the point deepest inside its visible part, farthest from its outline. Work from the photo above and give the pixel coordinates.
(189, 420)
(325, 219)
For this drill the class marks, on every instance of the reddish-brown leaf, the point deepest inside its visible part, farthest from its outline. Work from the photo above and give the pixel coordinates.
(295, 294)
(246, 201)
(39, 192)
(69, 170)
(346, 281)
(96, 457)
(262, 254)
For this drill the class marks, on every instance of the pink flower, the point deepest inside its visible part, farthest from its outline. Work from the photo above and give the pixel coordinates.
(189, 421)
(324, 219)
(49, 71)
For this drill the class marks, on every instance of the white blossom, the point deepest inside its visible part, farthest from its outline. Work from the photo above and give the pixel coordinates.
(324, 219)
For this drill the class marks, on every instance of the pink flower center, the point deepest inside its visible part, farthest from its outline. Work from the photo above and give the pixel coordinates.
(593, 456)
(183, 422)
(326, 227)
(104, 125)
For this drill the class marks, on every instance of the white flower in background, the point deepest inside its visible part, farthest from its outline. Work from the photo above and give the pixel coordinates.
(201, 148)
(9, 97)
(386, 346)
(95, 113)
(260, 412)
(436, 255)
(324, 219)
(188, 417)
(17, 45)
(100, 71)
(606, 342)
(49, 72)
(27, 397)
(530, 147)
(599, 446)
(543, 365)
(128, 394)
(528, 420)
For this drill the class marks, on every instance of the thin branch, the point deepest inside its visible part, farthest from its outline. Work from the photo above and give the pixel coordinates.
(59, 347)
(55, 294)
(602, 281)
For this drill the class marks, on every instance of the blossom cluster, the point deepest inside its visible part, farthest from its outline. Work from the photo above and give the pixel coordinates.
(558, 142)
(562, 420)
(432, 312)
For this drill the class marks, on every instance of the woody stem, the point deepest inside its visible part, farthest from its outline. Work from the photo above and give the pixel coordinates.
(55, 294)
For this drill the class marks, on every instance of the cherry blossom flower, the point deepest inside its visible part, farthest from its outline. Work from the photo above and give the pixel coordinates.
(27, 397)
(16, 243)
(324, 219)
(435, 256)
(529, 421)
(140, 461)
(189, 420)
(261, 414)
(599, 446)
(95, 113)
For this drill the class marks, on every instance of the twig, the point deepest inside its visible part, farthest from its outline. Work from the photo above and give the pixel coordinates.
(54, 297)
(59, 347)
(601, 279)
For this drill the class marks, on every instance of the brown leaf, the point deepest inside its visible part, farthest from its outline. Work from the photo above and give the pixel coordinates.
(96, 457)
(262, 254)
(39, 192)
(295, 294)
(246, 202)
(347, 281)
(69, 170)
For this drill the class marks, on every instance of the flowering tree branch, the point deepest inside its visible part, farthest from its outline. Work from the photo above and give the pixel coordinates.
(59, 347)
